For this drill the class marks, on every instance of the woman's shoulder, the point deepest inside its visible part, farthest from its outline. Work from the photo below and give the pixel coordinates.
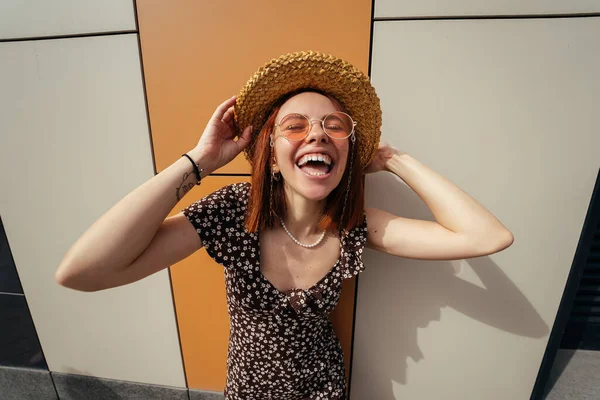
(229, 198)
(354, 242)
(233, 191)
(238, 191)
(233, 197)
(358, 234)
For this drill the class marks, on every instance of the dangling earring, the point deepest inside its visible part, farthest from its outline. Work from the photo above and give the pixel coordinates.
(273, 177)
(274, 174)
(351, 154)
(271, 220)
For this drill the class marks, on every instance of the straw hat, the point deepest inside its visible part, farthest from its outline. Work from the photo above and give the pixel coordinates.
(313, 70)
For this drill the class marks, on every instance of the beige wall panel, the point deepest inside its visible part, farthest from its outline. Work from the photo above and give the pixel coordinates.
(23, 19)
(435, 8)
(74, 141)
(507, 110)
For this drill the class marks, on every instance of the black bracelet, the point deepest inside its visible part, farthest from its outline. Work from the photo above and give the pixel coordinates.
(196, 170)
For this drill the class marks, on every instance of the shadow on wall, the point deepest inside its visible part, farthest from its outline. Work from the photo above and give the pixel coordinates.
(427, 287)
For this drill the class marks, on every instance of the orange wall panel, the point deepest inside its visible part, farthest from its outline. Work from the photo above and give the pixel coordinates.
(199, 293)
(195, 55)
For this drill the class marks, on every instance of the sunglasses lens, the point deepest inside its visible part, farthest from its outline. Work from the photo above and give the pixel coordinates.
(338, 125)
(294, 126)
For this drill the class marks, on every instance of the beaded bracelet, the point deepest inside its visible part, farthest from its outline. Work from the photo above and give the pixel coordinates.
(197, 170)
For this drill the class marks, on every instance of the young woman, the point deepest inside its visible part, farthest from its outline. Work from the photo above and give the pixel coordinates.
(287, 240)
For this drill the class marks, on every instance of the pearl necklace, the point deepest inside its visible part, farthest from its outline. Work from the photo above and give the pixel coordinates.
(299, 242)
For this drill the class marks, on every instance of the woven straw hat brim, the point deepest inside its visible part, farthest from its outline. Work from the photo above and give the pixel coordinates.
(302, 70)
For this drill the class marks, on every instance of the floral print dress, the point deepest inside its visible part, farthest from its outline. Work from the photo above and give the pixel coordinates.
(281, 344)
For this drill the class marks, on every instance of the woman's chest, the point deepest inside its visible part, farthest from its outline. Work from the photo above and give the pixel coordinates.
(288, 266)
(268, 282)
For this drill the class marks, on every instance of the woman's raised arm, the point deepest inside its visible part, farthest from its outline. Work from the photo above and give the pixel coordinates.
(463, 228)
(133, 239)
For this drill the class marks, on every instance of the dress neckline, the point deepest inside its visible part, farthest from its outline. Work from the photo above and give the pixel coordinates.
(290, 292)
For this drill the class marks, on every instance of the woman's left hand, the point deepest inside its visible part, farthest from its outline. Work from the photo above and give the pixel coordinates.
(384, 153)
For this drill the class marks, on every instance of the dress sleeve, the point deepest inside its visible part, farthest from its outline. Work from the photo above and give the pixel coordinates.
(217, 217)
(353, 247)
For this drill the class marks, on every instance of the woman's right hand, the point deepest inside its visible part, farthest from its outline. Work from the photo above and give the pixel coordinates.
(217, 145)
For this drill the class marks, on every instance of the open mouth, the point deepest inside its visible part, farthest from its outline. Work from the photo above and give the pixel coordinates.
(315, 164)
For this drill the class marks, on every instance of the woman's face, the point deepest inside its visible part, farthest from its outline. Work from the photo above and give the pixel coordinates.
(311, 180)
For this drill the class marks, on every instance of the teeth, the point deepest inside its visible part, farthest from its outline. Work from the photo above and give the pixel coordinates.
(315, 173)
(314, 157)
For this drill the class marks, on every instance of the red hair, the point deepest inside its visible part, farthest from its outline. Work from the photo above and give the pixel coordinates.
(261, 214)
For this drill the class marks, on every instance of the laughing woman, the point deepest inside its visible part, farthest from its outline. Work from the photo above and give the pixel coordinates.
(309, 124)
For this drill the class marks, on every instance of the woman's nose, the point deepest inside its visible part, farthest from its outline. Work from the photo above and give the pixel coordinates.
(317, 133)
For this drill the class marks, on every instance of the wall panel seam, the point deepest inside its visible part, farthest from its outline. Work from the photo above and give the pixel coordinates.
(145, 94)
(54, 384)
(483, 16)
(76, 35)
(352, 334)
